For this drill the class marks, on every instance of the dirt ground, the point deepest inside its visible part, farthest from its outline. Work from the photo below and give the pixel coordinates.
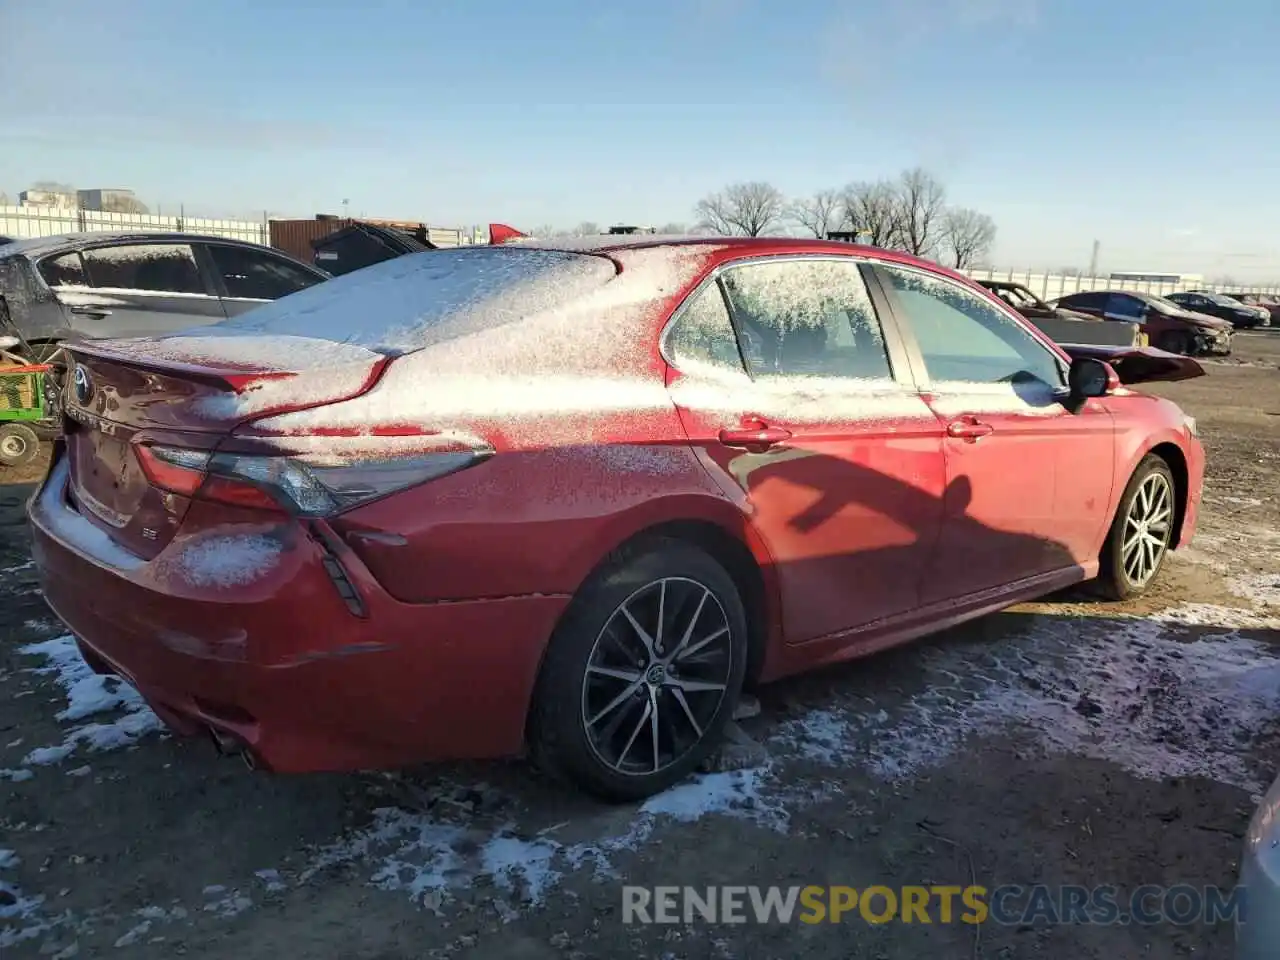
(1063, 742)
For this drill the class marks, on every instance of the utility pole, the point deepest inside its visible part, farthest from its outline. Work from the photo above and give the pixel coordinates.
(345, 206)
(1093, 260)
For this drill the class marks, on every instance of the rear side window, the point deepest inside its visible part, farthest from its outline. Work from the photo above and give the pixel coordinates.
(1122, 305)
(420, 299)
(703, 334)
(251, 275)
(964, 337)
(153, 267)
(806, 318)
(64, 271)
(1082, 300)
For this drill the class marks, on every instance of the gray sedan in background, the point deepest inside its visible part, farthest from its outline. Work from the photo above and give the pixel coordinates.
(1258, 932)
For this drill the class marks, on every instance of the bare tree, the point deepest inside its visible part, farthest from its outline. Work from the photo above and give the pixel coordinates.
(746, 209)
(920, 207)
(967, 236)
(819, 214)
(53, 186)
(4, 199)
(586, 229)
(673, 229)
(869, 210)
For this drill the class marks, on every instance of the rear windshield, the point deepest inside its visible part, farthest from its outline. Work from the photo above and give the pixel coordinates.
(418, 299)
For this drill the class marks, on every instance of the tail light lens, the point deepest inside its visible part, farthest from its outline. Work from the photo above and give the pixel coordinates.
(314, 485)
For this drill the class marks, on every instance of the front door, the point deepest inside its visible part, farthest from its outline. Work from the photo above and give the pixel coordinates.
(803, 419)
(1028, 482)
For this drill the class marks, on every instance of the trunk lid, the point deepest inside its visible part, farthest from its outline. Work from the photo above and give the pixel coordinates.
(188, 392)
(1139, 364)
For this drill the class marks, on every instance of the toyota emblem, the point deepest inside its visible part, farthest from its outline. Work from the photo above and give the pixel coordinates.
(84, 387)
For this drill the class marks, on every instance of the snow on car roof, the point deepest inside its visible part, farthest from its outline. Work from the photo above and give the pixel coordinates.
(37, 246)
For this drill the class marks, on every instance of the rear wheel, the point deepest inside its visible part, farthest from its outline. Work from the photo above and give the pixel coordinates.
(1138, 541)
(642, 674)
(19, 444)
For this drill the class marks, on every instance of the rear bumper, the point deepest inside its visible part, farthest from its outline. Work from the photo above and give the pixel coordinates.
(279, 663)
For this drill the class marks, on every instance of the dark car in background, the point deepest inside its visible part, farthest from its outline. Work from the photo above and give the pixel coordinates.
(1166, 324)
(91, 286)
(1264, 302)
(1221, 306)
(1021, 299)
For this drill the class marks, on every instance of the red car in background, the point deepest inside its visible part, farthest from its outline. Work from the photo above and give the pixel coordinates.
(468, 502)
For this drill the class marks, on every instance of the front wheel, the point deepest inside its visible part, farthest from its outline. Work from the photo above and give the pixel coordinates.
(1138, 541)
(19, 444)
(642, 674)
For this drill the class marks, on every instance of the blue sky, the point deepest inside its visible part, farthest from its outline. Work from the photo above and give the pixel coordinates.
(1149, 126)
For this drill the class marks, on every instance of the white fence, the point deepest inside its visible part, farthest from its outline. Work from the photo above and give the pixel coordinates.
(20, 222)
(1049, 286)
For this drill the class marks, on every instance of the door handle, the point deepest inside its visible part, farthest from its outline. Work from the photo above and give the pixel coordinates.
(969, 428)
(754, 436)
(90, 311)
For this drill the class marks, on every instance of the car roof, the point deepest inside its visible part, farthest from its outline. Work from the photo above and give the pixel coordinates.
(66, 242)
(610, 243)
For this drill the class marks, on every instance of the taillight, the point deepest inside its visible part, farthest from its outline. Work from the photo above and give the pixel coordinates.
(312, 476)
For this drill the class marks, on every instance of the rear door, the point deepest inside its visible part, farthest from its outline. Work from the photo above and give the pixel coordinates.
(141, 290)
(806, 412)
(249, 278)
(1028, 482)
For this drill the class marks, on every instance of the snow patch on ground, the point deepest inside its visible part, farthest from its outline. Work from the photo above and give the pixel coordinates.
(88, 694)
(1122, 690)
(426, 856)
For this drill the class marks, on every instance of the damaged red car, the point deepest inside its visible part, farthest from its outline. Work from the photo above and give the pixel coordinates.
(572, 500)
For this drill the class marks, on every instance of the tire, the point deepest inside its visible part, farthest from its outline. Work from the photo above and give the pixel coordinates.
(19, 444)
(1175, 342)
(595, 729)
(1118, 576)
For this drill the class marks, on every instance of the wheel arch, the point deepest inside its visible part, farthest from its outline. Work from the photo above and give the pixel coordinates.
(1176, 460)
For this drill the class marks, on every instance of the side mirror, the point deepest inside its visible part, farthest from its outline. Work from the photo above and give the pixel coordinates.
(1091, 378)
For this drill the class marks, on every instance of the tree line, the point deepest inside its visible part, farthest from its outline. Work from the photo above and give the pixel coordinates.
(909, 213)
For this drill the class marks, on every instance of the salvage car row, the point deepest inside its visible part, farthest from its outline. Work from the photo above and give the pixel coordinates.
(94, 285)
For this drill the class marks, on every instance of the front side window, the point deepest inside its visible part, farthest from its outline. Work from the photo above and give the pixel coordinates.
(963, 337)
(1083, 301)
(64, 271)
(806, 318)
(250, 275)
(702, 336)
(153, 267)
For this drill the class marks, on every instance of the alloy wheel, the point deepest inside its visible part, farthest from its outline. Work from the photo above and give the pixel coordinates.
(12, 447)
(1147, 528)
(656, 676)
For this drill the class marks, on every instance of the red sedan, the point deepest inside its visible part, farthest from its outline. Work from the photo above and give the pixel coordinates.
(571, 500)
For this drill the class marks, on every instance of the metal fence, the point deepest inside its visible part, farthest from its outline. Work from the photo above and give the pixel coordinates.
(19, 222)
(22, 222)
(1049, 286)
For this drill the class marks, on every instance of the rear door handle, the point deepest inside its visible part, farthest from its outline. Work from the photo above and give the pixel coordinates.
(90, 311)
(969, 428)
(754, 436)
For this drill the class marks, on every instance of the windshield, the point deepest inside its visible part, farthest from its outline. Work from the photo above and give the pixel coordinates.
(1165, 306)
(1220, 300)
(415, 300)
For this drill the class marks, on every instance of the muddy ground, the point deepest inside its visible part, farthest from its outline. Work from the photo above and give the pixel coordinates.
(1064, 742)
